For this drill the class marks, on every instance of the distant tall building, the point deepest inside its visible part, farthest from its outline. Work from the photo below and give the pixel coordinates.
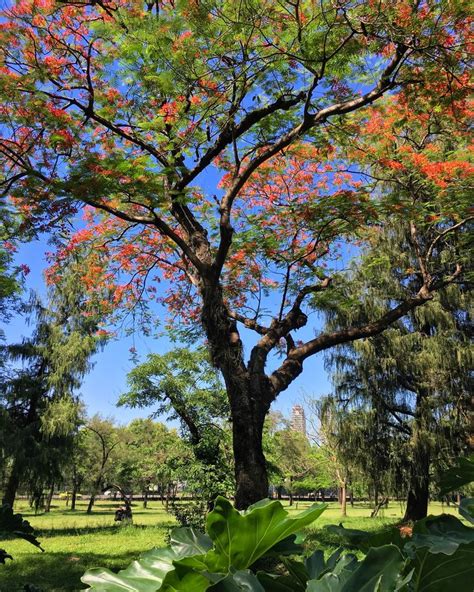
(298, 419)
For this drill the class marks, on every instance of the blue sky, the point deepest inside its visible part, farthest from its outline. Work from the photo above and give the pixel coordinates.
(107, 380)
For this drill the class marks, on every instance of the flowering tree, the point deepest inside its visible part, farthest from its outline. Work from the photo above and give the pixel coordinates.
(204, 140)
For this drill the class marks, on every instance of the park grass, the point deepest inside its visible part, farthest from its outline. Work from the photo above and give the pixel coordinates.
(75, 542)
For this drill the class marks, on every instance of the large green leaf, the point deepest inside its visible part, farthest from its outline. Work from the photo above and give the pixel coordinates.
(14, 526)
(147, 574)
(437, 572)
(378, 572)
(457, 477)
(440, 534)
(240, 581)
(334, 581)
(188, 541)
(144, 575)
(240, 538)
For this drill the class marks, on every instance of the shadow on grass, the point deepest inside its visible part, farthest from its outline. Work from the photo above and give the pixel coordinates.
(81, 530)
(57, 572)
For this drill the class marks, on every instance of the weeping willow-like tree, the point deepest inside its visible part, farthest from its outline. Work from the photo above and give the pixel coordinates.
(37, 401)
(411, 383)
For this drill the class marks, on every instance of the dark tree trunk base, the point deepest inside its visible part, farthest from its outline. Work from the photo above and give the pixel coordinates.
(11, 487)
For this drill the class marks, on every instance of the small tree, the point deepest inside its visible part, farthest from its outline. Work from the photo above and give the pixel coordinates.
(183, 384)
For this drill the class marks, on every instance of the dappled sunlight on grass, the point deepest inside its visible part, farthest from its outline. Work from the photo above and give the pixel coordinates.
(75, 541)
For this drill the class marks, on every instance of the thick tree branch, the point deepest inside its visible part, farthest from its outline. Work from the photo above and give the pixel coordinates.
(293, 364)
(249, 323)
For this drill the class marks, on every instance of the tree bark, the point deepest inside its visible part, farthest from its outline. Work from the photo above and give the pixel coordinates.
(73, 498)
(250, 466)
(418, 490)
(248, 390)
(343, 499)
(11, 488)
(91, 503)
(49, 499)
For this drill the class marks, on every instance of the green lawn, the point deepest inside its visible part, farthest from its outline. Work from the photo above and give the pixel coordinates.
(74, 542)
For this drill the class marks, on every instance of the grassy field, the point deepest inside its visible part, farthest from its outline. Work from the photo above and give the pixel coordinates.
(74, 542)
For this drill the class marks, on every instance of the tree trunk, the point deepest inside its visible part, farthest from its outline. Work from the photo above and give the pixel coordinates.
(418, 490)
(90, 504)
(49, 499)
(344, 500)
(145, 498)
(250, 466)
(12, 485)
(417, 499)
(248, 388)
(73, 498)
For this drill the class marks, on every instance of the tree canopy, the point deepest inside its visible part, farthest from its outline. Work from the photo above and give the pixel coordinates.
(206, 144)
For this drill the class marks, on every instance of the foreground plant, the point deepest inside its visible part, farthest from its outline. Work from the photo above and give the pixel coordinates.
(14, 526)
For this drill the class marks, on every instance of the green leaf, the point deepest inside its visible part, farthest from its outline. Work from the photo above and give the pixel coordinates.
(466, 509)
(315, 564)
(459, 476)
(440, 534)
(144, 575)
(378, 572)
(298, 573)
(437, 572)
(184, 578)
(240, 581)
(240, 538)
(186, 542)
(14, 526)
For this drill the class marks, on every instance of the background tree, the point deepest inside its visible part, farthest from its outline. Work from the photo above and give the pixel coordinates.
(47, 368)
(100, 443)
(414, 380)
(335, 445)
(183, 384)
(293, 459)
(124, 109)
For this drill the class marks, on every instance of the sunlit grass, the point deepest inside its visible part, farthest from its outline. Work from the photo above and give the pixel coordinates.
(75, 542)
